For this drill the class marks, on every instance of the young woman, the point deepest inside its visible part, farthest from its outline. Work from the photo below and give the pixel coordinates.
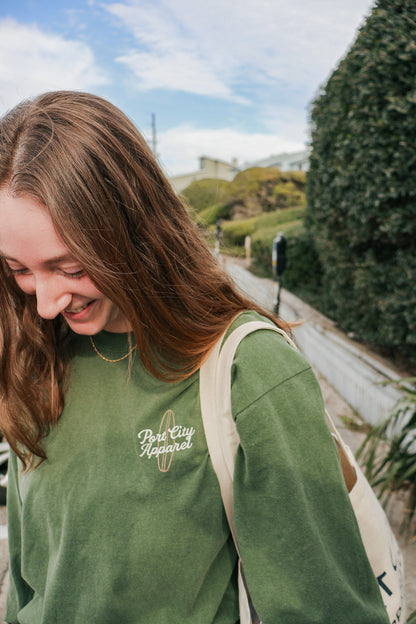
(110, 301)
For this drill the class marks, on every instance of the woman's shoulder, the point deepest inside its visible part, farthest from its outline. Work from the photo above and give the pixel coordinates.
(264, 360)
(266, 348)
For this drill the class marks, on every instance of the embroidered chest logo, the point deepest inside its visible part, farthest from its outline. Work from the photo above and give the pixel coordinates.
(169, 439)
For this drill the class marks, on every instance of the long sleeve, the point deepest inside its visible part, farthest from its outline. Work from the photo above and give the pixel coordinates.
(19, 592)
(303, 557)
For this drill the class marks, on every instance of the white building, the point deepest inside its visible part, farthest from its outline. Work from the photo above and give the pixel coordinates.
(208, 168)
(295, 161)
(222, 170)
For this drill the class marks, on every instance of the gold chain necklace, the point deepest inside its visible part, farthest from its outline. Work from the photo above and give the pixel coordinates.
(107, 359)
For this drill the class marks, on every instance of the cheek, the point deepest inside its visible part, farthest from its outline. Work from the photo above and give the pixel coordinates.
(26, 284)
(86, 286)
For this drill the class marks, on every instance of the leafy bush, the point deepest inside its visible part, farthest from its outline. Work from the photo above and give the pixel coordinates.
(389, 453)
(262, 245)
(282, 193)
(303, 271)
(303, 274)
(202, 194)
(235, 232)
(266, 189)
(250, 180)
(252, 192)
(297, 177)
(210, 215)
(287, 195)
(361, 184)
(278, 218)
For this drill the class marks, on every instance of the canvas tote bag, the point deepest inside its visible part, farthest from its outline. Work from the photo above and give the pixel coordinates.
(379, 541)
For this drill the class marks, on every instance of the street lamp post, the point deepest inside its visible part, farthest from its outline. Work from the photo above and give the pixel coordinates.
(278, 264)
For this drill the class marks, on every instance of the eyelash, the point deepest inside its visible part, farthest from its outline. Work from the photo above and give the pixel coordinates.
(76, 275)
(17, 271)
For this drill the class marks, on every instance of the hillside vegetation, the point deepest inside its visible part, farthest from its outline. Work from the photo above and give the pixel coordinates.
(258, 203)
(252, 192)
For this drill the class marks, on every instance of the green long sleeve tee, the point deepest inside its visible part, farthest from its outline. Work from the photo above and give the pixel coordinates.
(123, 523)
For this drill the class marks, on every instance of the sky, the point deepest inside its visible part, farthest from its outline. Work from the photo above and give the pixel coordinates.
(222, 78)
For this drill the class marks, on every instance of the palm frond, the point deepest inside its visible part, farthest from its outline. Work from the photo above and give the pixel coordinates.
(388, 452)
(412, 618)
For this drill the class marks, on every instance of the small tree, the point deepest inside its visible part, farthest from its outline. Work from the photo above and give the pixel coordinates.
(362, 182)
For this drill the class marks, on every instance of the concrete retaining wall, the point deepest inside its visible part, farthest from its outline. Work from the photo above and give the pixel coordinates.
(356, 374)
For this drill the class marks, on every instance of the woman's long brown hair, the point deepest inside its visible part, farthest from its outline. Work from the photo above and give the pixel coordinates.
(118, 215)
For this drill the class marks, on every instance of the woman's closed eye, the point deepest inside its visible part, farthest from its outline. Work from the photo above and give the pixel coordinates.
(64, 272)
(18, 271)
(73, 275)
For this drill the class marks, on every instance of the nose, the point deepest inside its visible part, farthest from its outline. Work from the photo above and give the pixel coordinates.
(51, 297)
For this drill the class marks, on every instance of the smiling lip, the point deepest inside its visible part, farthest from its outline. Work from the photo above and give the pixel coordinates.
(78, 313)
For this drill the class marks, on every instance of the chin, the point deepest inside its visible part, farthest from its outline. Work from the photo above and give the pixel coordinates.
(85, 329)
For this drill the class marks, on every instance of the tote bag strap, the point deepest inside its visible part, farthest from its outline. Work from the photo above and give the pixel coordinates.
(221, 433)
(215, 395)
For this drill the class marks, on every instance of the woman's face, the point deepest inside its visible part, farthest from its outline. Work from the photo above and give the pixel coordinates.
(43, 266)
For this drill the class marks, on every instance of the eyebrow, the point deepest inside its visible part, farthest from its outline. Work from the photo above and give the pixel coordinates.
(49, 262)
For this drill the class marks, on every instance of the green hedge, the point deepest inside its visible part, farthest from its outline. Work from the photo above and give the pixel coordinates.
(361, 185)
(234, 232)
(279, 217)
(303, 272)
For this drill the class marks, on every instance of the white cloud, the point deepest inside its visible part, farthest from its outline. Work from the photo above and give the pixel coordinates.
(288, 122)
(182, 146)
(211, 47)
(167, 55)
(179, 71)
(276, 53)
(33, 61)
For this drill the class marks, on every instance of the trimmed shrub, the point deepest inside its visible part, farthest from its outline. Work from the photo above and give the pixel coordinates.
(279, 217)
(210, 215)
(202, 194)
(303, 269)
(235, 232)
(262, 245)
(303, 274)
(361, 184)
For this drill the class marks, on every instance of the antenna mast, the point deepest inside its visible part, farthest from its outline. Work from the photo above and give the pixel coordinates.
(154, 142)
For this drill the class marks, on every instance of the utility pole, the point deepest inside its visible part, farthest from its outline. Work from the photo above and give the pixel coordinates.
(154, 142)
